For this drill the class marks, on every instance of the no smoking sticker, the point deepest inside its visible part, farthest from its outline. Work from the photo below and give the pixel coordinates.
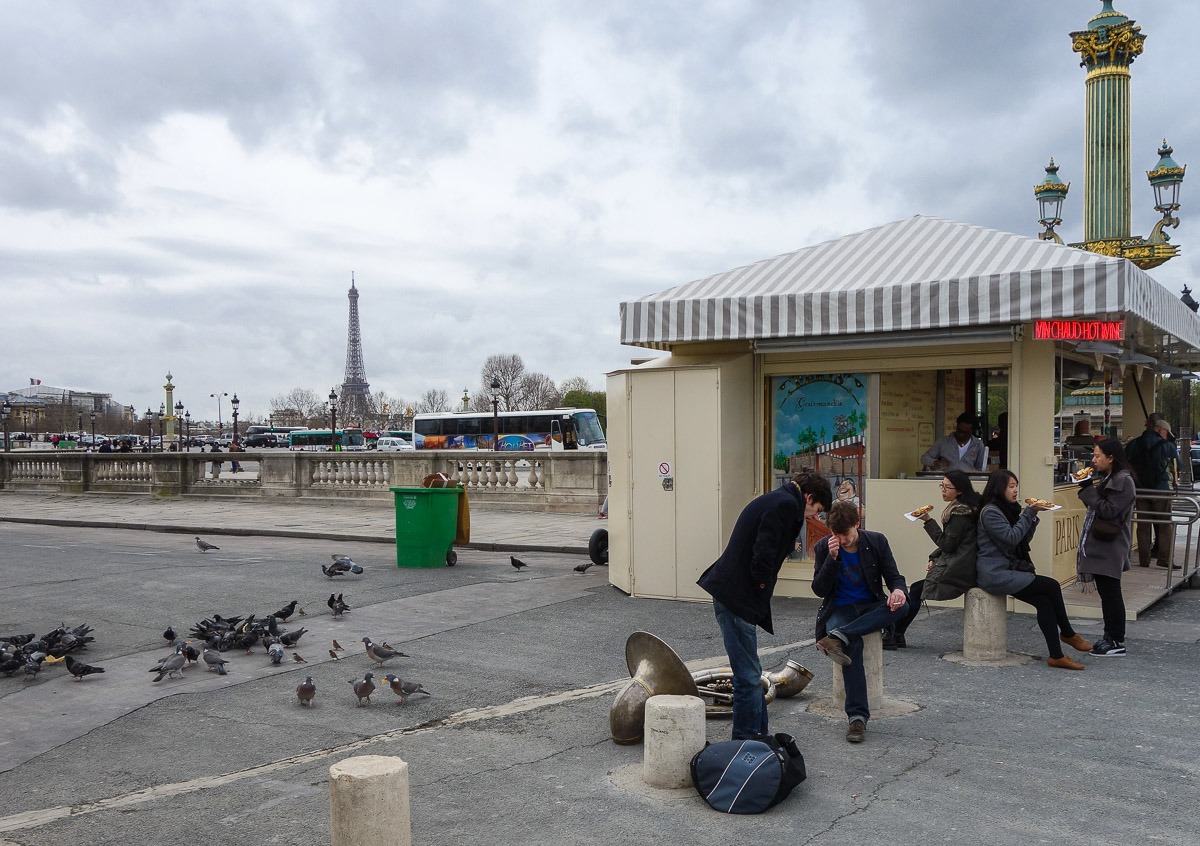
(664, 469)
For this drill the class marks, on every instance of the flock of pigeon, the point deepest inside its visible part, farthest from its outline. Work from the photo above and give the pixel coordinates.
(27, 652)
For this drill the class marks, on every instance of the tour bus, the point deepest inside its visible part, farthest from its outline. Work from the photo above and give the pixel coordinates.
(268, 436)
(265, 430)
(322, 440)
(555, 429)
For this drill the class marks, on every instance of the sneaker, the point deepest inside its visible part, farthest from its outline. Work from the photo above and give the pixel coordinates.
(835, 649)
(1106, 647)
(857, 732)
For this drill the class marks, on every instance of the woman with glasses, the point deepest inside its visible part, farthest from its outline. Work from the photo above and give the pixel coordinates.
(1005, 566)
(951, 567)
(1107, 538)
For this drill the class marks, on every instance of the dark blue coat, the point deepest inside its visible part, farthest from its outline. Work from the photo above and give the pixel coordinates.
(878, 566)
(743, 578)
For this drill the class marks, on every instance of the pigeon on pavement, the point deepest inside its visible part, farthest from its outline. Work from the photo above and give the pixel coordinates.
(364, 687)
(345, 564)
(172, 665)
(306, 690)
(290, 639)
(286, 611)
(169, 635)
(583, 568)
(203, 545)
(213, 659)
(404, 689)
(379, 653)
(516, 562)
(79, 669)
(332, 571)
(275, 652)
(33, 665)
(337, 605)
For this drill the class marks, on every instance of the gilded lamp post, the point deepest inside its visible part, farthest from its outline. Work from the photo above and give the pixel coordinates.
(1107, 48)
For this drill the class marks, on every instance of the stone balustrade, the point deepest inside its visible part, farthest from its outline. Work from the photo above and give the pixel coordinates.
(572, 482)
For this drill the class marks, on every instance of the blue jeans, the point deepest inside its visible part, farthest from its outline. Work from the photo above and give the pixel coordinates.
(849, 623)
(741, 645)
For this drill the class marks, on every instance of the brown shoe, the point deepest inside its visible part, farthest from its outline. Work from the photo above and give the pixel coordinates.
(1076, 642)
(835, 649)
(1064, 663)
(857, 732)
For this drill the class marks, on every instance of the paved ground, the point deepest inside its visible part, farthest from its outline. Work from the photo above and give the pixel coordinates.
(513, 747)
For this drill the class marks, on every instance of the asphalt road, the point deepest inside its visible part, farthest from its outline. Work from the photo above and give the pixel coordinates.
(513, 746)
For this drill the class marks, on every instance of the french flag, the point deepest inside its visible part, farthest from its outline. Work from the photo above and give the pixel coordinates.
(33, 381)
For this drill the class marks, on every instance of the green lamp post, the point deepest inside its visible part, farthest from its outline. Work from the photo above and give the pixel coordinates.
(1050, 194)
(1166, 180)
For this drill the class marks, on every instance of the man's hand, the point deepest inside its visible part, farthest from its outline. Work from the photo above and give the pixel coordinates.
(896, 599)
(928, 566)
(835, 546)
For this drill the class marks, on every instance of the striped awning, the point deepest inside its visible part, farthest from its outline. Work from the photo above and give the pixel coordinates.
(921, 273)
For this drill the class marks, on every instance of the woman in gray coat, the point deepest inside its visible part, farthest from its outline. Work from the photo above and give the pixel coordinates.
(1004, 566)
(1102, 560)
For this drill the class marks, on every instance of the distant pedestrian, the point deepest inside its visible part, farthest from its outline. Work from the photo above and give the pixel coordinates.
(1153, 458)
(1106, 539)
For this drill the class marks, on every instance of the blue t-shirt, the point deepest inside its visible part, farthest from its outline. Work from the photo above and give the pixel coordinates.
(852, 582)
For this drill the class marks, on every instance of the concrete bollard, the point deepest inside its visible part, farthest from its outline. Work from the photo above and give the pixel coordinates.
(985, 627)
(675, 732)
(368, 802)
(872, 667)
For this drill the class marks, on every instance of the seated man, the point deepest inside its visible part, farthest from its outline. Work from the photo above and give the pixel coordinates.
(960, 450)
(851, 567)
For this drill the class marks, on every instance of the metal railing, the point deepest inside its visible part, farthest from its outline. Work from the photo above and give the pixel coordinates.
(1181, 510)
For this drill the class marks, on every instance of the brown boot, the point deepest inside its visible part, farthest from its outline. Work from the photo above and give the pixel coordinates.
(1064, 663)
(835, 649)
(1076, 642)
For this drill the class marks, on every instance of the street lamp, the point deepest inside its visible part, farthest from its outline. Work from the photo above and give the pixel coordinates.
(179, 417)
(1050, 195)
(235, 402)
(6, 410)
(1165, 179)
(220, 426)
(333, 438)
(79, 428)
(162, 412)
(92, 414)
(187, 429)
(149, 430)
(495, 413)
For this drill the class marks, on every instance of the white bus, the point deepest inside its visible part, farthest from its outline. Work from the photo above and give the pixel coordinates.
(519, 431)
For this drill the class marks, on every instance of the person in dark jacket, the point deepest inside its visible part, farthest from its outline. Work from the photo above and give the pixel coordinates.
(1101, 562)
(951, 565)
(851, 567)
(742, 582)
(1153, 458)
(1005, 566)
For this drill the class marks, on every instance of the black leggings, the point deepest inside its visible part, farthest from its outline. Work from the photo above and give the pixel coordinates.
(1044, 594)
(1112, 606)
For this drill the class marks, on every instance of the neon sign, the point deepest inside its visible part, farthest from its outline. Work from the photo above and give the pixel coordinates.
(1078, 330)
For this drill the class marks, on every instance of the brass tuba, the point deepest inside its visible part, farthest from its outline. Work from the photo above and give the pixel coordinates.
(656, 670)
(716, 686)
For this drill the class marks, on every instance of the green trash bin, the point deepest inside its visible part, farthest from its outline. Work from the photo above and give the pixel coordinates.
(426, 524)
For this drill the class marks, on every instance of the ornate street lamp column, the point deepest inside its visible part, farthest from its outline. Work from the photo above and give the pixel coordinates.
(6, 410)
(234, 403)
(333, 438)
(1050, 195)
(495, 386)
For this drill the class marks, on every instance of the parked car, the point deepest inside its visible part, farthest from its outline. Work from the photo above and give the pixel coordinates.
(394, 445)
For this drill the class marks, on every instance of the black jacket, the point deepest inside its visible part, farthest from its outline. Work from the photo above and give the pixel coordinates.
(878, 565)
(743, 578)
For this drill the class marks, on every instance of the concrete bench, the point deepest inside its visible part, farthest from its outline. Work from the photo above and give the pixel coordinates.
(835, 706)
(985, 632)
(675, 731)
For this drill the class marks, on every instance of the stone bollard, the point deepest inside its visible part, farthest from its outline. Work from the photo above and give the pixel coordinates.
(368, 802)
(675, 732)
(985, 627)
(872, 667)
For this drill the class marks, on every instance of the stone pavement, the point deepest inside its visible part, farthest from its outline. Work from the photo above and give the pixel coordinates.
(362, 521)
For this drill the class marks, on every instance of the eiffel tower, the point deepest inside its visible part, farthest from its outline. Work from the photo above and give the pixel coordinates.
(354, 404)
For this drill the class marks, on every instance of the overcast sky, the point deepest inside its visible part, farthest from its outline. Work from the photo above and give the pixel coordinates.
(188, 186)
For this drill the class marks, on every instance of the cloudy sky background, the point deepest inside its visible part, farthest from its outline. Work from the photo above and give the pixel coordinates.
(187, 186)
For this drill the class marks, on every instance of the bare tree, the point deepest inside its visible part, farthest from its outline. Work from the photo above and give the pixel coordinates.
(507, 370)
(537, 390)
(435, 399)
(575, 383)
(303, 403)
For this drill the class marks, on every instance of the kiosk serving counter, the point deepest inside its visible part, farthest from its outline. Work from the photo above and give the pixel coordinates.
(853, 357)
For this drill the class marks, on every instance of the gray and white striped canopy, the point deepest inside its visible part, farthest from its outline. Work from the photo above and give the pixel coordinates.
(919, 273)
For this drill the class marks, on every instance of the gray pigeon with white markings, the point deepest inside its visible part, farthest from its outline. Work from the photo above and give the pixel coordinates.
(404, 689)
(364, 687)
(379, 654)
(203, 545)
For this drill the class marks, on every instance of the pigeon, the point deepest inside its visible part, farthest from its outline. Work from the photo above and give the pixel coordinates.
(364, 687)
(191, 653)
(79, 669)
(337, 605)
(334, 655)
(286, 611)
(275, 652)
(290, 639)
(379, 653)
(583, 568)
(404, 689)
(204, 546)
(332, 571)
(8, 666)
(172, 665)
(298, 658)
(33, 664)
(345, 564)
(306, 690)
(338, 646)
(516, 562)
(213, 660)
(169, 635)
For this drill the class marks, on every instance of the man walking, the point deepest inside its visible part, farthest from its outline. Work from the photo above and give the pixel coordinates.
(742, 582)
(852, 564)
(1154, 456)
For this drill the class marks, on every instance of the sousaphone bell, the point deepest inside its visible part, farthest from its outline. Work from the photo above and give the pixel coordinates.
(656, 671)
